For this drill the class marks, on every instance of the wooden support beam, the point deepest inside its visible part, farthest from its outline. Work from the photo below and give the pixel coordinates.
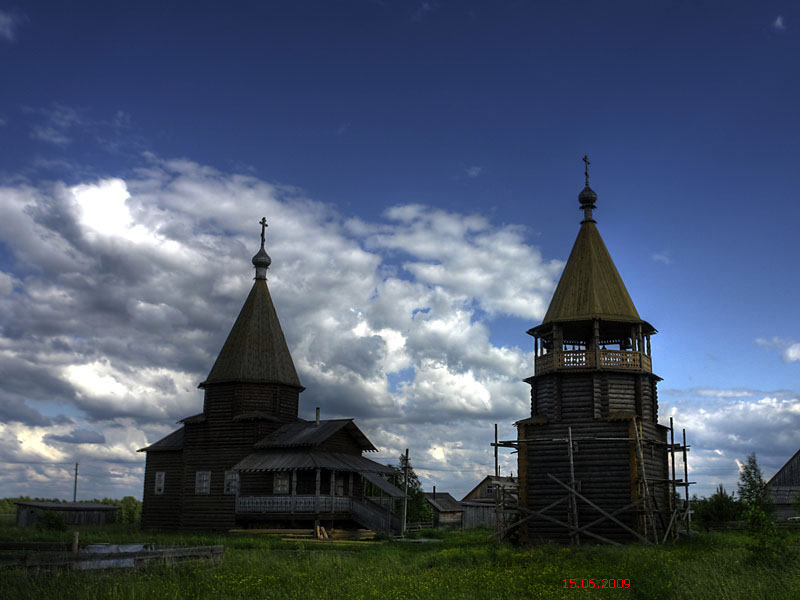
(600, 510)
(647, 497)
(567, 525)
(317, 489)
(669, 527)
(616, 512)
(537, 513)
(573, 501)
(294, 488)
(333, 490)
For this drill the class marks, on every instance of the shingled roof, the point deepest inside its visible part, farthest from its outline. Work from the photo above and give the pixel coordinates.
(309, 434)
(255, 350)
(174, 441)
(443, 502)
(590, 286)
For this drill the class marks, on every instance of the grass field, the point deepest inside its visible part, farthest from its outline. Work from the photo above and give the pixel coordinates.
(463, 565)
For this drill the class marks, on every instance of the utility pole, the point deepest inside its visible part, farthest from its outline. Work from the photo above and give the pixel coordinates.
(496, 463)
(75, 486)
(405, 490)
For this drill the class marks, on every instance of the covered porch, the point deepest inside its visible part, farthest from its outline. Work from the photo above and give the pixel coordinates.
(305, 485)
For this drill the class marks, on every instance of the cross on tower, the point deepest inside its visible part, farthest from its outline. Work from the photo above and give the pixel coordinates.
(264, 225)
(586, 169)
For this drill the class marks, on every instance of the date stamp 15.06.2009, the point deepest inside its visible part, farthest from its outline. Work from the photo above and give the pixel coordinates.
(574, 584)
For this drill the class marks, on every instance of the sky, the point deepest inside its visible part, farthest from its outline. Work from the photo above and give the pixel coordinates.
(419, 165)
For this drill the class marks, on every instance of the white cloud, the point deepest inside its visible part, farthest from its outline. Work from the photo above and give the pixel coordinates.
(423, 9)
(56, 125)
(725, 429)
(789, 349)
(662, 257)
(474, 171)
(8, 26)
(778, 23)
(792, 353)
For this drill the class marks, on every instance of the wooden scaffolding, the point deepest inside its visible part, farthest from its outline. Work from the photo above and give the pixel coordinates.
(653, 523)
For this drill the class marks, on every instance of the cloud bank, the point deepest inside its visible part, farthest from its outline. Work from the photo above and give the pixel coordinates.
(117, 293)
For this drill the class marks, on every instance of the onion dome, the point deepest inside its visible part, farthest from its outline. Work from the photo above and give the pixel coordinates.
(262, 261)
(587, 197)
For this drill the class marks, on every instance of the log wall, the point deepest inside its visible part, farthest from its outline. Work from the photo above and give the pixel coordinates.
(595, 404)
(162, 511)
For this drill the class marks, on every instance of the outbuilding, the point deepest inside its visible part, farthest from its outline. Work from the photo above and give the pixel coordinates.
(447, 511)
(784, 488)
(73, 513)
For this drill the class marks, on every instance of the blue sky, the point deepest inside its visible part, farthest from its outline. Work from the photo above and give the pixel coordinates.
(427, 152)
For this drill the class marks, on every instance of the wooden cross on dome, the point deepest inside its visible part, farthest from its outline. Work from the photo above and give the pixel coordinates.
(264, 225)
(586, 169)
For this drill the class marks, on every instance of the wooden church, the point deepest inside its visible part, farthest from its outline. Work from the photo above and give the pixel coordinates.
(593, 460)
(248, 460)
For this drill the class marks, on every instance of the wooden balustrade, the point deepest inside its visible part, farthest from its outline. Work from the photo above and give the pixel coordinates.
(585, 359)
(287, 504)
(302, 504)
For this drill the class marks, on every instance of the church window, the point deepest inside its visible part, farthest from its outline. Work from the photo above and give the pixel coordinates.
(231, 482)
(160, 476)
(202, 482)
(280, 485)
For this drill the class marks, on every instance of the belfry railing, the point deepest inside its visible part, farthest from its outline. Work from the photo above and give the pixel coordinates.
(566, 360)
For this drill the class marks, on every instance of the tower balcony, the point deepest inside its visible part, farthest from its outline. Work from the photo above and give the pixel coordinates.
(576, 360)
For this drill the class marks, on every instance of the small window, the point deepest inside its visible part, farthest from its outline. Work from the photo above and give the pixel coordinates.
(280, 484)
(231, 482)
(160, 476)
(202, 482)
(490, 490)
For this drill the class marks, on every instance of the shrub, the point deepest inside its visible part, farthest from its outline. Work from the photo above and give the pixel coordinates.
(768, 545)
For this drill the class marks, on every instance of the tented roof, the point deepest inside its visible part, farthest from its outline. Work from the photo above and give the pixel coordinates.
(255, 350)
(590, 286)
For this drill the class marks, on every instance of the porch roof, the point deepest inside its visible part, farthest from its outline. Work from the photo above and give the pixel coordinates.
(384, 485)
(289, 460)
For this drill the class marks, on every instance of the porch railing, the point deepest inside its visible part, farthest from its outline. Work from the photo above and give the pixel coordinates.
(288, 504)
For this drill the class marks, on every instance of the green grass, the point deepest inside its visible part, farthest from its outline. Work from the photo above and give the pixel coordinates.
(464, 565)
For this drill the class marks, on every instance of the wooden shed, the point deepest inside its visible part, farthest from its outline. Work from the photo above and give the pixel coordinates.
(784, 488)
(447, 511)
(73, 513)
(491, 487)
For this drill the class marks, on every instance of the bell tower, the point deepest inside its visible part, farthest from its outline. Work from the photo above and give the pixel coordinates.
(592, 446)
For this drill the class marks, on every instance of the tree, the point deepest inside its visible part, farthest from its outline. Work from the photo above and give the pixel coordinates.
(719, 508)
(418, 508)
(752, 487)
